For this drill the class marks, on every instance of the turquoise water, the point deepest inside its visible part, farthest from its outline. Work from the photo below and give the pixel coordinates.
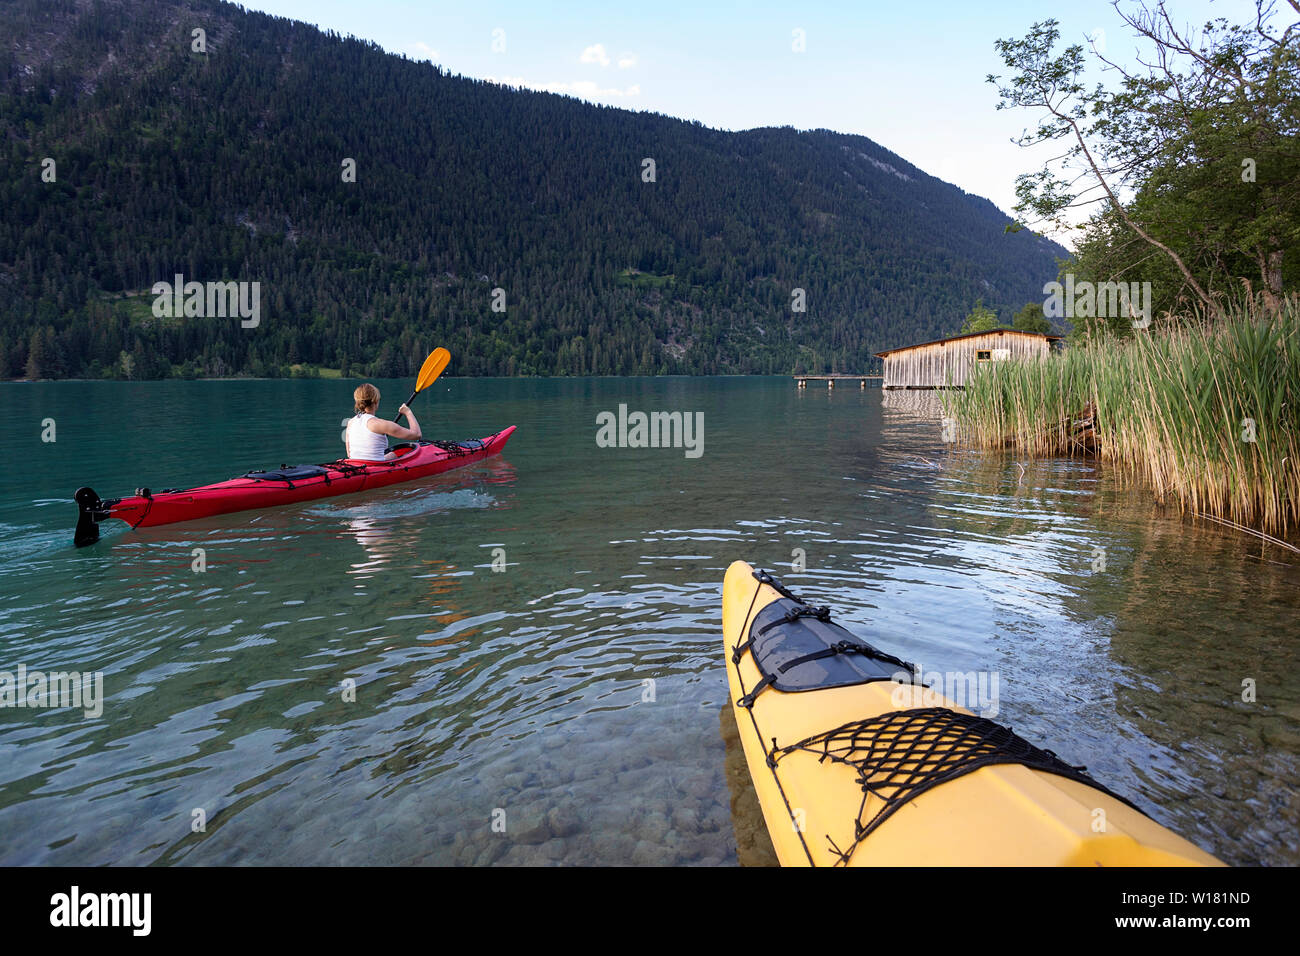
(578, 696)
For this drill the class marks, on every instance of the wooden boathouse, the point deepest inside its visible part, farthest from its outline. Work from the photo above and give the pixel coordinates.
(946, 363)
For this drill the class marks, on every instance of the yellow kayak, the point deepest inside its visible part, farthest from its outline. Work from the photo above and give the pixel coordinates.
(858, 763)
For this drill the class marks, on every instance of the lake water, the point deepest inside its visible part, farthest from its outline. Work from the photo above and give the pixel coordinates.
(579, 695)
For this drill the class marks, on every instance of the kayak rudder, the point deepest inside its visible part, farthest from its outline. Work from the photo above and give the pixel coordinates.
(91, 510)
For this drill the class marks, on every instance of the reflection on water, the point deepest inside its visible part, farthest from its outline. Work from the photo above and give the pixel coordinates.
(355, 681)
(921, 403)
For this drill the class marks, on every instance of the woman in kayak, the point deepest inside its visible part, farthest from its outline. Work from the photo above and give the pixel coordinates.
(365, 436)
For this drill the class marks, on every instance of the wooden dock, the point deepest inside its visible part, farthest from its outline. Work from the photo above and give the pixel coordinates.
(830, 380)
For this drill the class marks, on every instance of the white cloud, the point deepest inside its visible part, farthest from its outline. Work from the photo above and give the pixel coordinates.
(626, 61)
(584, 89)
(424, 50)
(595, 54)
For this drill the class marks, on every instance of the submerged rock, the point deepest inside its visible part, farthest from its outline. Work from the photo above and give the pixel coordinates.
(529, 826)
(564, 821)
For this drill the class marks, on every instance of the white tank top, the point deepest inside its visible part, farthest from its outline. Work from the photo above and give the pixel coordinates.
(364, 444)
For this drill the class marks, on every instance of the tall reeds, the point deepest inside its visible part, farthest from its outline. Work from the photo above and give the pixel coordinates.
(1208, 414)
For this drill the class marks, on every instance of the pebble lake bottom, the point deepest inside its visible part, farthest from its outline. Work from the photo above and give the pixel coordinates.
(352, 681)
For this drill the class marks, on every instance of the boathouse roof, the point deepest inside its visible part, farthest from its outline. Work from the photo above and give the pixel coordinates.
(970, 335)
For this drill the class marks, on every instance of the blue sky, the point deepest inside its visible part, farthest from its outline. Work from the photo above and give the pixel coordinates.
(909, 75)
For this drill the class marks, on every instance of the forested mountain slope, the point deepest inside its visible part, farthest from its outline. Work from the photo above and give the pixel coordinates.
(227, 165)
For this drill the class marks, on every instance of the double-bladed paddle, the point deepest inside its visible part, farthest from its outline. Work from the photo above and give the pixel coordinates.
(433, 366)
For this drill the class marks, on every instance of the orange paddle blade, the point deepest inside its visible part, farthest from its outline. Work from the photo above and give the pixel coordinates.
(433, 366)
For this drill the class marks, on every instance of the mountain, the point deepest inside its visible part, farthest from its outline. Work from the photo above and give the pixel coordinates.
(228, 165)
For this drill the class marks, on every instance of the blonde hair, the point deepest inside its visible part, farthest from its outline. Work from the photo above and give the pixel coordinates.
(366, 398)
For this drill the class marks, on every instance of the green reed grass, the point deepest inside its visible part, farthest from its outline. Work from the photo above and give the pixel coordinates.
(1172, 409)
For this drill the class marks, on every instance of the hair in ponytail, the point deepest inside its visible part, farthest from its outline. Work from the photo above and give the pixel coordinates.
(366, 398)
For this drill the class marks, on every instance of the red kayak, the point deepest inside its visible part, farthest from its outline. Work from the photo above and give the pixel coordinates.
(285, 485)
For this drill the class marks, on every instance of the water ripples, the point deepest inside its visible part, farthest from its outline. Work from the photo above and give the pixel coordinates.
(354, 681)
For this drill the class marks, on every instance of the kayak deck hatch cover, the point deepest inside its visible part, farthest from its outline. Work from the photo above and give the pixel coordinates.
(287, 484)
